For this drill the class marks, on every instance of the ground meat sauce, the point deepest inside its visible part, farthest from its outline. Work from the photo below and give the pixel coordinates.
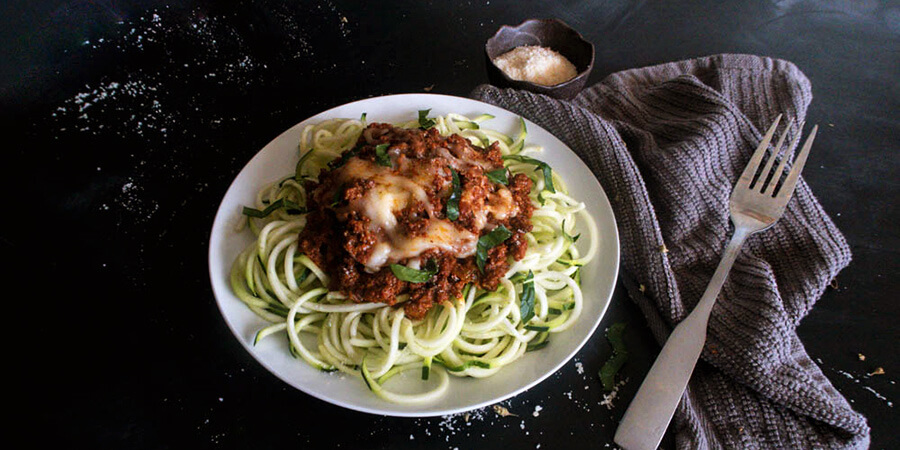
(378, 205)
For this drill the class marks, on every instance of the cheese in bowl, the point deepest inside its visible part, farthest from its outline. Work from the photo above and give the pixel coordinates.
(536, 64)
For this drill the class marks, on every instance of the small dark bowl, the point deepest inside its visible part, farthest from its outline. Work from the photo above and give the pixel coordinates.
(551, 33)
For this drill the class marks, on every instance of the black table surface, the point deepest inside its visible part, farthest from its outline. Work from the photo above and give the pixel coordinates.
(129, 120)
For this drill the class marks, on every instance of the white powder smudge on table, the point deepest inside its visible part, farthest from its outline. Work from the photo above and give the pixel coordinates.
(93, 107)
(460, 426)
(608, 398)
(145, 108)
(857, 380)
(879, 396)
(131, 200)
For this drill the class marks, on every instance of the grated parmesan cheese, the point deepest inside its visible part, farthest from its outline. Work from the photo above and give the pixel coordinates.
(536, 64)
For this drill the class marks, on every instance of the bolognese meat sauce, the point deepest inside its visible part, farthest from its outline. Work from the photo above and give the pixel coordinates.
(385, 202)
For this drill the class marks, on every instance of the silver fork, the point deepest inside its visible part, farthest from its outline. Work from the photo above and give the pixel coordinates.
(756, 203)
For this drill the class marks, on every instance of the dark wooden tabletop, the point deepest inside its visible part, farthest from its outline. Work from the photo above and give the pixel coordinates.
(128, 121)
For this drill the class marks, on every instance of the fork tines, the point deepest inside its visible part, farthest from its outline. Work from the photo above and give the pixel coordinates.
(765, 180)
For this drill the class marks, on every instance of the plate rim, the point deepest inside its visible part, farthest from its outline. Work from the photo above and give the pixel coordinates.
(220, 221)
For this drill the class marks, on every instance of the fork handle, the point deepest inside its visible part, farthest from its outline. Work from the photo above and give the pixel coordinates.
(649, 414)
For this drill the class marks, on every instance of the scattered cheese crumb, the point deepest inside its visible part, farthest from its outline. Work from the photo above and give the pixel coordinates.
(608, 398)
(878, 371)
(537, 411)
(862, 357)
(536, 64)
(502, 412)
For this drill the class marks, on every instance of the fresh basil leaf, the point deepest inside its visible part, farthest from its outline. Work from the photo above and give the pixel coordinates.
(455, 194)
(526, 301)
(339, 162)
(498, 176)
(517, 278)
(414, 275)
(614, 363)
(542, 166)
(290, 207)
(424, 122)
(548, 178)
(381, 156)
(488, 241)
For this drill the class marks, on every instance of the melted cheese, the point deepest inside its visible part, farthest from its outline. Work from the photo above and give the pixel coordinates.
(440, 234)
(392, 193)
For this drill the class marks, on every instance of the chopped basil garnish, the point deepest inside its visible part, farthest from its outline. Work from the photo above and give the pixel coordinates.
(548, 173)
(424, 122)
(362, 118)
(381, 156)
(489, 241)
(614, 363)
(290, 207)
(455, 194)
(498, 176)
(414, 275)
(343, 159)
(526, 301)
(517, 278)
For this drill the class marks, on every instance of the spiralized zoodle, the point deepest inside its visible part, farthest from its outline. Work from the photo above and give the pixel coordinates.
(474, 336)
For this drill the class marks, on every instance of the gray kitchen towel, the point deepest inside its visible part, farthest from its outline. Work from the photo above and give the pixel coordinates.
(667, 143)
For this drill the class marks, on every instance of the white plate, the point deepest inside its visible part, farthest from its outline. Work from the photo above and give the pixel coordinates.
(278, 159)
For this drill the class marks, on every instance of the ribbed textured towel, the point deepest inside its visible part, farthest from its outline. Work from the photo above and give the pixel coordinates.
(667, 143)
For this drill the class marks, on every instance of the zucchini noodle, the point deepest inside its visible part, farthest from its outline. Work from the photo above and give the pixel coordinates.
(475, 335)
